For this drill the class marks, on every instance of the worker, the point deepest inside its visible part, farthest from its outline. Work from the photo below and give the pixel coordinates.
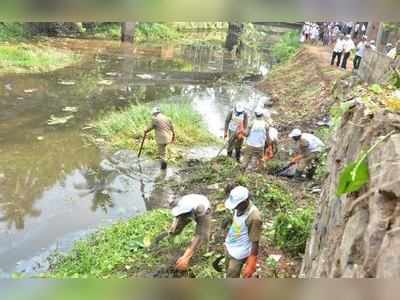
(242, 240)
(307, 154)
(191, 207)
(164, 134)
(235, 126)
(257, 139)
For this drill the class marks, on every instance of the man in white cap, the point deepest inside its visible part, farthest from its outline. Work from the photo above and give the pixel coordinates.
(164, 133)
(257, 139)
(308, 150)
(191, 207)
(242, 240)
(235, 126)
(348, 46)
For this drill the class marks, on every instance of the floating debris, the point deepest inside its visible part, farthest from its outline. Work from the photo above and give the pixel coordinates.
(66, 82)
(144, 76)
(70, 109)
(58, 120)
(105, 82)
(30, 91)
(40, 138)
(112, 74)
(20, 98)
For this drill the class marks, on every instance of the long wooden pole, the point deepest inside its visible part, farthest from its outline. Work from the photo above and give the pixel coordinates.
(141, 146)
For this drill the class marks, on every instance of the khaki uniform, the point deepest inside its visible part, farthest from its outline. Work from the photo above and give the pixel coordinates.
(163, 133)
(254, 224)
(203, 224)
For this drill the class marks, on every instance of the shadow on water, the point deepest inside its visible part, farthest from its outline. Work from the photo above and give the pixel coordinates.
(54, 185)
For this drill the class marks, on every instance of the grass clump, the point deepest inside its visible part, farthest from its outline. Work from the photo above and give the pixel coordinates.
(124, 129)
(11, 31)
(155, 31)
(24, 58)
(121, 250)
(287, 46)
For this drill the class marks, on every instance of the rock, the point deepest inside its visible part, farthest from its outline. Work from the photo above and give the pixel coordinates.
(213, 187)
(356, 235)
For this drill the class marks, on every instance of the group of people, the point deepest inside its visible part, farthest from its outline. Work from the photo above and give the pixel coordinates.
(244, 227)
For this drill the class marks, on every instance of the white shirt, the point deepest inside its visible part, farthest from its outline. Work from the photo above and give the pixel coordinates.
(339, 46)
(348, 45)
(361, 49)
(392, 53)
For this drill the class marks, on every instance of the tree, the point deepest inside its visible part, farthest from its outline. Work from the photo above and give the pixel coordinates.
(235, 30)
(128, 32)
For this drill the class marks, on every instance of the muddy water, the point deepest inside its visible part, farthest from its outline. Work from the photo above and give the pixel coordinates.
(54, 186)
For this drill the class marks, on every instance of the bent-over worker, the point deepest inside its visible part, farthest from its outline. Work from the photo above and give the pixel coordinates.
(191, 207)
(242, 240)
(307, 152)
(164, 134)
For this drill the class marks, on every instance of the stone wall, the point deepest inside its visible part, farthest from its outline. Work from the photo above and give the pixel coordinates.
(358, 235)
(375, 67)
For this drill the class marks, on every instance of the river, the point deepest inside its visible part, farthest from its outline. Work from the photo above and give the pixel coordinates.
(55, 187)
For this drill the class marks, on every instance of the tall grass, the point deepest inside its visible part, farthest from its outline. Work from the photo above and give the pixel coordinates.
(11, 31)
(124, 130)
(24, 58)
(287, 46)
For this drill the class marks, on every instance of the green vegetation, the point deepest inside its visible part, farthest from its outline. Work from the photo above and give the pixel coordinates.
(155, 31)
(108, 30)
(292, 229)
(24, 58)
(286, 47)
(11, 31)
(124, 130)
(121, 250)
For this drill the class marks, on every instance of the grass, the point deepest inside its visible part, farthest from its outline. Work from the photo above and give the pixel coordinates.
(124, 129)
(121, 250)
(286, 47)
(27, 58)
(11, 31)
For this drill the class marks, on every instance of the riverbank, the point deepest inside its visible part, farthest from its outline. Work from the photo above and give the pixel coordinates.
(34, 57)
(126, 249)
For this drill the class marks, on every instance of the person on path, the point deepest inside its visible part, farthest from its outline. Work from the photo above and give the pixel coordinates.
(393, 51)
(164, 134)
(191, 207)
(242, 240)
(235, 127)
(348, 46)
(307, 152)
(337, 51)
(360, 52)
(257, 139)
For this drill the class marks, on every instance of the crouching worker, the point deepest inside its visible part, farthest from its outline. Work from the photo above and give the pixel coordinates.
(191, 207)
(257, 139)
(242, 240)
(307, 153)
(164, 134)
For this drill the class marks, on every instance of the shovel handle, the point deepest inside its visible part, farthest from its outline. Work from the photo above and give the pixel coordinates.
(141, 145)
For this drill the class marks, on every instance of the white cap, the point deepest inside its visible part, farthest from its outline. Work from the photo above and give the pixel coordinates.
(348, 36)
(239, 107)
(372, 42)
(188, 203)
(238, 195)
(295, 132)
(259, 111)
(156, 110)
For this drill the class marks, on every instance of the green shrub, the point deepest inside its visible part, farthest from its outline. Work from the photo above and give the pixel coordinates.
(286, 47)
(155, 31)
(11, 31)
(292, 229)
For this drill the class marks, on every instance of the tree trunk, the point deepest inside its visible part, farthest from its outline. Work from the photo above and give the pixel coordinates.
(234, 32)
(128, 32)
